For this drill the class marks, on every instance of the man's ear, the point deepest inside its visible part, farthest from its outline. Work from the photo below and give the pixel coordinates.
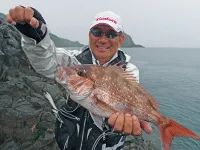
(121, 39)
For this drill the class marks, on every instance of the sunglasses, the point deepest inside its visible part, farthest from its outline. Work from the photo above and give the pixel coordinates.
(111, 34)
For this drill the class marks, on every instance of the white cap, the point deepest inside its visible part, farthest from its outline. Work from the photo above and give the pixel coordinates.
(109, 18)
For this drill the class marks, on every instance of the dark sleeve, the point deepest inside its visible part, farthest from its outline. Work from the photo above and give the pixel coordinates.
(37, 34)
(66, 133)
(68, 125)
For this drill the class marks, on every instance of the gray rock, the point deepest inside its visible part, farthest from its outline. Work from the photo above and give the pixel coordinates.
(9, 145)
(139, 143)
(26, 120)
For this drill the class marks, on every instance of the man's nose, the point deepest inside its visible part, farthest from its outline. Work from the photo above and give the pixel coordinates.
(103, 38)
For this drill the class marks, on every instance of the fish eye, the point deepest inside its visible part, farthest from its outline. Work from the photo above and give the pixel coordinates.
(81, 73)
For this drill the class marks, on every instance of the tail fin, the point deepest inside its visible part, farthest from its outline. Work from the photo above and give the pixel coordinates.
(172, 129)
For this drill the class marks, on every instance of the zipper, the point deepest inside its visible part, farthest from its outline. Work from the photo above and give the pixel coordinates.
(83, 131)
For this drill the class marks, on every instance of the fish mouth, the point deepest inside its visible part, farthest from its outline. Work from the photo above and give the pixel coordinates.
(63, 74)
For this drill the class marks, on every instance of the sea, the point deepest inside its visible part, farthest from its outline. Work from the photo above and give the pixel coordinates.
(172, 77)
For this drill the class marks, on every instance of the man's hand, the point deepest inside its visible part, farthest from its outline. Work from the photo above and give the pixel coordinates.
(20, 15)
(128, 124)
(28, 21)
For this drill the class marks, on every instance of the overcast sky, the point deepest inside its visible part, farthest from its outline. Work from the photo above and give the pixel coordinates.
(152, 23)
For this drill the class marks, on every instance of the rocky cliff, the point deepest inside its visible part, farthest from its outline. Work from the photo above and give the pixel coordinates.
(61, 42)
(128, 42)
(2, 16)
(26, 120)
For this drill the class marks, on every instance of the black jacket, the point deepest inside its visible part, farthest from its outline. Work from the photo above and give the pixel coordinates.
(75, 129)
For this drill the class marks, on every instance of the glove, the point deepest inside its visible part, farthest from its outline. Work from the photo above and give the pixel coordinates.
(36, 33)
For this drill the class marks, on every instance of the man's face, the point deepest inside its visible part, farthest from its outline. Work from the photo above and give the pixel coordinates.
(104, 47)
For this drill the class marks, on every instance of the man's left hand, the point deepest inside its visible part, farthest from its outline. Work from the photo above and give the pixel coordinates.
(128, 124)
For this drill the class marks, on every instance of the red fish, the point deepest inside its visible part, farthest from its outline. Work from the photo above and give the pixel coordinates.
(106, 90)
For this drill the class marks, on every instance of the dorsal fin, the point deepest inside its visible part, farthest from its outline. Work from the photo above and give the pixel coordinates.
(121, 71)
(132, 81)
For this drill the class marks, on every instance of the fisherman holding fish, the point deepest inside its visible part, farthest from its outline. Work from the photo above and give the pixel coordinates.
(76, 127)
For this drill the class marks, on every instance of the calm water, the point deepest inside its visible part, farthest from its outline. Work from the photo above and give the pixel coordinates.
(172, 76)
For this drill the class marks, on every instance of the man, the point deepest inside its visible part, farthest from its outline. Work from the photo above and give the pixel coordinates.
(76, 128)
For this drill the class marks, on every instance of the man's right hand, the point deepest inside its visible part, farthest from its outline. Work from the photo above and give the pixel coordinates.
(20, 14)
(28, 21)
